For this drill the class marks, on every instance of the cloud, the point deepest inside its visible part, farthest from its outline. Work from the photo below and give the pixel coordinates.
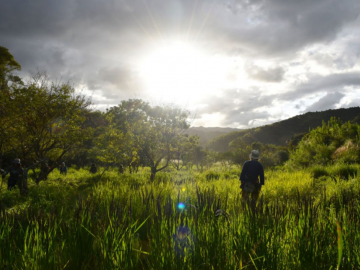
(239, 107)
(353, 103)
(118, 76)
(317, 84)
(280, 27)
(327, 102)
(274, 74)
(250, 118)
(312, 47)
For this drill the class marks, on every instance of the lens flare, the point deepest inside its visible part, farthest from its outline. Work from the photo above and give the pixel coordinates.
(181, 206)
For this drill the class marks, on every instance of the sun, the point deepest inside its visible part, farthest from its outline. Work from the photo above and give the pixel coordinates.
(179, 71)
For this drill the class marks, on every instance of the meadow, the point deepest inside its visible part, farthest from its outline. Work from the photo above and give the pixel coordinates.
(304, 219)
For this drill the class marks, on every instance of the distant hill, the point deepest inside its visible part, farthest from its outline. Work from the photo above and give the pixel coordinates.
(281, 132)
(208, 133)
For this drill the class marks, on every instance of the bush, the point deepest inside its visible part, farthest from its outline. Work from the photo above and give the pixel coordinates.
(211, 175)
(317, 172)
(344, 171)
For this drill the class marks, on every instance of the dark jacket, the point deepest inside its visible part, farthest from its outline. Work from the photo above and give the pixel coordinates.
(16, 173)
(252, 169)
(93, 169)
(63, 169)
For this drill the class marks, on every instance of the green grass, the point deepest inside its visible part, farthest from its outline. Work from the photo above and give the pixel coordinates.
(121, 221)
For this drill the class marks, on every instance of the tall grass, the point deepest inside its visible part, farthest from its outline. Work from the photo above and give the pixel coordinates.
(184, 220)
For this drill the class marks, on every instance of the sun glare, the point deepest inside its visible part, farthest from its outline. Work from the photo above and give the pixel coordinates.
(179, 72)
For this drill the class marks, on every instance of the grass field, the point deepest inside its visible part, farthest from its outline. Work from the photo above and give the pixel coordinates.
(184, 220)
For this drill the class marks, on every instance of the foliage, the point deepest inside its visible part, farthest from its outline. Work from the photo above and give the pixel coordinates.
(155, 130)
(46, 121)
(182, 152)
(114, 146)
(318, 171)
(270, 155)
(332, 142)
(8, 66)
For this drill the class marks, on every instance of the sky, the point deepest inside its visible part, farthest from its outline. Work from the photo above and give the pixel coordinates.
(230, 63)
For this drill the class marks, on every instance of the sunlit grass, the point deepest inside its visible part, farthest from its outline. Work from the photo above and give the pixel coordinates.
(183, 220)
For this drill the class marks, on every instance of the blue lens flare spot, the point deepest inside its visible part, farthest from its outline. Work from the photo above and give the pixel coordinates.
(181, 206)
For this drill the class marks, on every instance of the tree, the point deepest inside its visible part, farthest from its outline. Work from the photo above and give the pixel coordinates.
(8, 66)
(154, 130)
(114, 145)
(47, 120)
(183, 150)
(225, 159)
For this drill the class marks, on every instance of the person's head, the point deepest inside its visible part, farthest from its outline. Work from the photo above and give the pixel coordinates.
(93, 165)
(254, 155)
(63, 164)
(17, 162)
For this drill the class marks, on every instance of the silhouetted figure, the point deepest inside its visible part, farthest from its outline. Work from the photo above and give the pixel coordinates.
(16, 174)
(93, 168)
(63, 168)
(252, 170)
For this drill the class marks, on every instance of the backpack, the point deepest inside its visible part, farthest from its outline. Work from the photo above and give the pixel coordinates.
(249, 184)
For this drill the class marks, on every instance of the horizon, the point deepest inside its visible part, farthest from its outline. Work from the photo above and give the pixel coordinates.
(237, 64)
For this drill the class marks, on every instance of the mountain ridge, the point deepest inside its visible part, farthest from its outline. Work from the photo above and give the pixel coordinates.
(278, 133)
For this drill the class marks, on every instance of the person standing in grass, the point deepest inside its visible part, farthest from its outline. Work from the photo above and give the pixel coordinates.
(252, 171)
(16, 174)
(63, 168)
(93, 168)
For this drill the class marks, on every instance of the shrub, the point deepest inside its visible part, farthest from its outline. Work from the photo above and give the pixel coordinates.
(344, 171)
(317, 172)
(211, 175)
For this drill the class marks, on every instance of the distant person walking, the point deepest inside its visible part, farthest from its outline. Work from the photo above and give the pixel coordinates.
(16, 174)
(252, 170)
(45, 170)
(63, 169)
(93, 168)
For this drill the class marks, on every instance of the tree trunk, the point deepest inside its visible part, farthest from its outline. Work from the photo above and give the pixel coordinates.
(153, 173)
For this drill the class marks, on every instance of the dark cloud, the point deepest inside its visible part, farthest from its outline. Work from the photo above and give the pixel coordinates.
(327, 102)
(353, 103)
(278, 26)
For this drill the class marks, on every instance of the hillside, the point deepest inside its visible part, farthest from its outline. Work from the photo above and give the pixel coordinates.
(281, 132)
(208, 133)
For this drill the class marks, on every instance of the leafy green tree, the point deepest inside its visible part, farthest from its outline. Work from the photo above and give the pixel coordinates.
(225, 159)
(183, 150)
(199, 157)
(8, 66)
(240, 150)
(47, 121)
(154, 130)
(114, 146)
